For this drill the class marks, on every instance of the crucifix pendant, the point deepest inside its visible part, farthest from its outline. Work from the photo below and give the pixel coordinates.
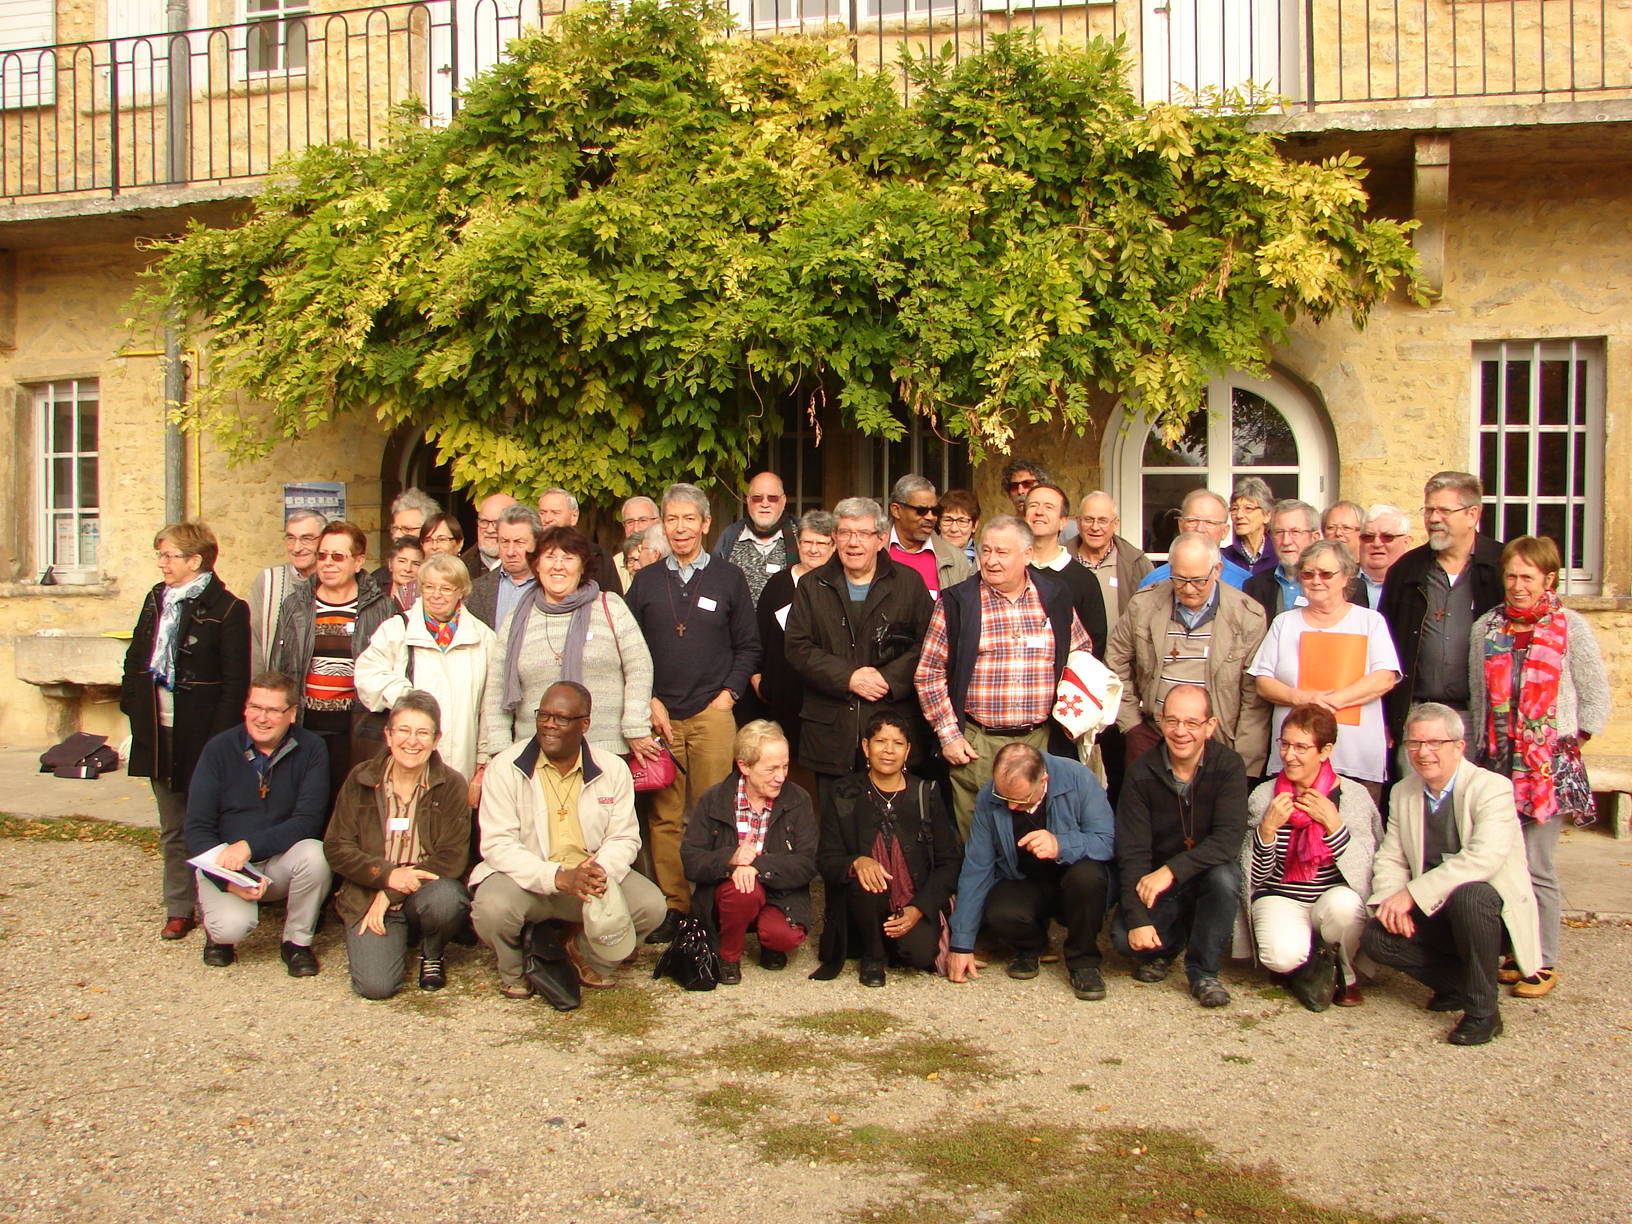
(264, 788)
(1439, 614)
(679, 631)
(1189, 843)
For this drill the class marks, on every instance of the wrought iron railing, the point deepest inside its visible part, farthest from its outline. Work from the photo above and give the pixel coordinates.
(225, 103)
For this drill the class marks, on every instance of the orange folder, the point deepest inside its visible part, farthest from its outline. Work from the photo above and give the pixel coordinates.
(1332, 661)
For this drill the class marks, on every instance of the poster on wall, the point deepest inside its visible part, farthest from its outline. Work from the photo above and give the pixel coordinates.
(327, 497)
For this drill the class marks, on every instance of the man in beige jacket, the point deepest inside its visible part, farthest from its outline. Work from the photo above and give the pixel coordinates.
(1191, 629)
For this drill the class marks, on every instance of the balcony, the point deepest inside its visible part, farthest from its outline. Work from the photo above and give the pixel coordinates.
(101, 118)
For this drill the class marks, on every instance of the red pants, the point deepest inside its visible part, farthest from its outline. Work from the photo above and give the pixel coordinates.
(739, 910)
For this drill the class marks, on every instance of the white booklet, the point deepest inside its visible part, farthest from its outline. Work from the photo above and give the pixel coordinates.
(245, 877)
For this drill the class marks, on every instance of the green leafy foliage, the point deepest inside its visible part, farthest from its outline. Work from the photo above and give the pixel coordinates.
(640, 243)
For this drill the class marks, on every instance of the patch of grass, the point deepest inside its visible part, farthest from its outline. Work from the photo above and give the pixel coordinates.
(1082, 1087)
(847, 1022)
(994, 1153)
(731, 1107)
(1237, 1058)
(827, 1143)
(1111, 1062)
(77, 829)
(624, 1011)
(1275, 994)
(1248, 1023)
(767, 1055)
(918, 1057)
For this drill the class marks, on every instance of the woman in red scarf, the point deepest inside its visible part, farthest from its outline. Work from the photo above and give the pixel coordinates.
(1539, 691)
(1307, 864)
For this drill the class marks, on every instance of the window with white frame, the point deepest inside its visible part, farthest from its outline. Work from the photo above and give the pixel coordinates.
(1540, 449)
(276, 38)
(67, 427)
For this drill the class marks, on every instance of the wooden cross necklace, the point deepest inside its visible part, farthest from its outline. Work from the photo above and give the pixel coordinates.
(1187, 811)
(679, 625)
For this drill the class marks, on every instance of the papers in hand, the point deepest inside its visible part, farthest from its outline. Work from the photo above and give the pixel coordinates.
(245, 877)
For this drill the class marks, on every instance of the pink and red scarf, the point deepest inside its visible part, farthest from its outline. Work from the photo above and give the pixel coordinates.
(1528, 722)
(1307, 853)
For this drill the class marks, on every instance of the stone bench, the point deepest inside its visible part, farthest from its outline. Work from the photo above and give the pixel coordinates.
(1611, 776)
(68, 667)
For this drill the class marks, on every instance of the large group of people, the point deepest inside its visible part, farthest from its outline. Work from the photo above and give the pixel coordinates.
(1332, 751)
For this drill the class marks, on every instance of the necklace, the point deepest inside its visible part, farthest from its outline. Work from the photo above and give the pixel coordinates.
(679, 625)
(1187, 811)
(885, 798)
(555, 787)
(549, 641)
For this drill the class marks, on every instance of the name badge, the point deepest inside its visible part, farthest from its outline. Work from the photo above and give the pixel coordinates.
(1112, 584)
(1036, 641)
(706, 604)
(773, 569)
(397, 824)
(588, 634)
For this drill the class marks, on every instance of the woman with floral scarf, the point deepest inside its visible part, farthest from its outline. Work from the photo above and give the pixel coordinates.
(1539, 691)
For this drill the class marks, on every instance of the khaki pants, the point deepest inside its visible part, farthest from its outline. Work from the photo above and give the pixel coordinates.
(502, 907)
(968, 779)
(702, 746)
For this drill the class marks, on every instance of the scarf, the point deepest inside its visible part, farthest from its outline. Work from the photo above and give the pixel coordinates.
(161, 664)
(576, 607)
(1306, 850)
(441, 631)
(1521, 719)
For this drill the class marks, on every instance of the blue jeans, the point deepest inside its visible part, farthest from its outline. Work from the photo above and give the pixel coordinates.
(1198, 916)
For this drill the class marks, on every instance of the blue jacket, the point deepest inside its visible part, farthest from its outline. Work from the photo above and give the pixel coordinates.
(224, 802)
(1075, 810)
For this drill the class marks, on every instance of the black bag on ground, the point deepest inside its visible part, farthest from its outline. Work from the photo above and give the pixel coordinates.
(692, 959)
(545, 965)
(81, 755)
(1315, 981)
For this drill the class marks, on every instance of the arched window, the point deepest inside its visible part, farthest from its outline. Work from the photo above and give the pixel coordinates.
(1250, 426)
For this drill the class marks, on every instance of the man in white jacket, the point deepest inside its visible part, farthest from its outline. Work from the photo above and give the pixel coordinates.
(558, 830)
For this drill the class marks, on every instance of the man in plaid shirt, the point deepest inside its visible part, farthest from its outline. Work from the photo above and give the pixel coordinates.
(992, 658)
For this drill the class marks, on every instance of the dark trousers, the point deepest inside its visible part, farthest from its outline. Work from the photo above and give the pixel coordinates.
(432, 915)
(868, 912)
(339, 745)
(1018, 911)
(1198, 916)
(1452, 952)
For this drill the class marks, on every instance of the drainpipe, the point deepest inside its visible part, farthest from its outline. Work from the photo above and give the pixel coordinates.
(178, 149)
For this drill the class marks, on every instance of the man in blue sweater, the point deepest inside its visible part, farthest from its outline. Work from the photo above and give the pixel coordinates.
(1040, 848)
(261, 793)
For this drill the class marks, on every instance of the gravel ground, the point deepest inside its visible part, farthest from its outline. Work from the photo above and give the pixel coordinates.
(139, 1085)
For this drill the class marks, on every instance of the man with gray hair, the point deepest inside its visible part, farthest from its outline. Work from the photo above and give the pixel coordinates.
(854, 635)
(637, 514)
(697, 616)
(1118, 564)
(1205, 512)
(992, 659)
(483, 555)
(558, 508)
(497, 592)
(1342, 522)
(1451, 878)
(409, 510)
(764, 542)
(1434, 594)
(301, 531)
(1191, 629)
(1384, 538)
(1293, 526)
(914, 542)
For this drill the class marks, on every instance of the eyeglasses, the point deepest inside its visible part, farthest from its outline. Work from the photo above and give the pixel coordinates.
(1098, 520)
(557, 558)
(416, 735)
(1191, 522)
(560, 720)
(1185, 724)
(767, 497)
(1297, 748)
(1387, 537)
(491, 524)
(172, 556)
(1323, 575)
(1021, 486)
(267, 711)
(1031, 800)
(439, 539)
(1432, 745)
(1439, 512)
(1286, 533)
(922, 511)
(289, 538)
(435, 589)
(846, 534)
(645, 520)
(956, 520)
(1195, 584)
(336, 556)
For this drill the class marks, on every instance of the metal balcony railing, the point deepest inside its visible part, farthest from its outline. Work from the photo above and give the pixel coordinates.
(226, 103)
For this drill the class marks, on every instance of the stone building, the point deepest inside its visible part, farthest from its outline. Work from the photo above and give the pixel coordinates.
(1501, 128)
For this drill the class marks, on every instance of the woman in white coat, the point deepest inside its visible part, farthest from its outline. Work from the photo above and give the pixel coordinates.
(439, 648)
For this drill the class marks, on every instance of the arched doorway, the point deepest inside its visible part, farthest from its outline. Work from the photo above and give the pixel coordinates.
(1267, 427)
(410, 462)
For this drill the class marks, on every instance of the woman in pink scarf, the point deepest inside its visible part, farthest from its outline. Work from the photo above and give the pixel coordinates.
(1538, 692)
(1307, 862)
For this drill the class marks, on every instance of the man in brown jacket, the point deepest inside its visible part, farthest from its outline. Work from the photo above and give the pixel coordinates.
(1191, 629)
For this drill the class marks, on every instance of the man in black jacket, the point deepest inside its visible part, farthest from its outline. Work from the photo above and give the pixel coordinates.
(1433, 595)
(853, 635)
(1180, 822)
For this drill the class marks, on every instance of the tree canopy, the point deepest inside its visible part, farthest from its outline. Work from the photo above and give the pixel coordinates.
(639, 241)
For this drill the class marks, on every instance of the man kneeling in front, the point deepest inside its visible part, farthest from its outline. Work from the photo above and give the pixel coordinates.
(261, 794)
(558, 830)
(1450, 875)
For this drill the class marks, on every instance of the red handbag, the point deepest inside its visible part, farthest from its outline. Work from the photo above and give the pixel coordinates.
(654, 774)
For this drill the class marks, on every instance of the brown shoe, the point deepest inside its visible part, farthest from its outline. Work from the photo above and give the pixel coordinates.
(178, 928)
(587, 974)
(1509, 972)
(1348, 996)
(521, 990)
(1536, 985)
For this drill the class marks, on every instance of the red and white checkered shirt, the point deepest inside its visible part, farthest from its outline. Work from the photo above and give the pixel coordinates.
(752, 826)
(1013, 679)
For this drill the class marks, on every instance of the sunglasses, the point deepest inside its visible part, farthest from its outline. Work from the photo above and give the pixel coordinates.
(335, 556)
(922, 511)
(1323, 575)
(1387, 537)
(766, 497)
(1017, 486)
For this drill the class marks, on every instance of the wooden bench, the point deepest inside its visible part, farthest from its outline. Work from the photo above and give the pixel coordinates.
(1611, 776)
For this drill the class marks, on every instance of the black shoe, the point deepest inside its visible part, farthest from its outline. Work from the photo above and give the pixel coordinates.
(872, 973)
(665, 929)
(1023, 966)
(730, 973)
(433, 975)
(1475, 1030)
(1210, 992)
(769, 959)
(1155, 969)
(1088, 982)
(219, 956)
(299, 960)
(1445, 1001)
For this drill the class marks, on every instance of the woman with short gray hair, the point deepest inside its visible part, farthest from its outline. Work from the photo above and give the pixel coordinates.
(1250, 504)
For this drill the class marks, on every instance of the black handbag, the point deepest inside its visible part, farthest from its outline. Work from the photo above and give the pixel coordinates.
(691, 959)
(1314, 982)
(545, 965)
